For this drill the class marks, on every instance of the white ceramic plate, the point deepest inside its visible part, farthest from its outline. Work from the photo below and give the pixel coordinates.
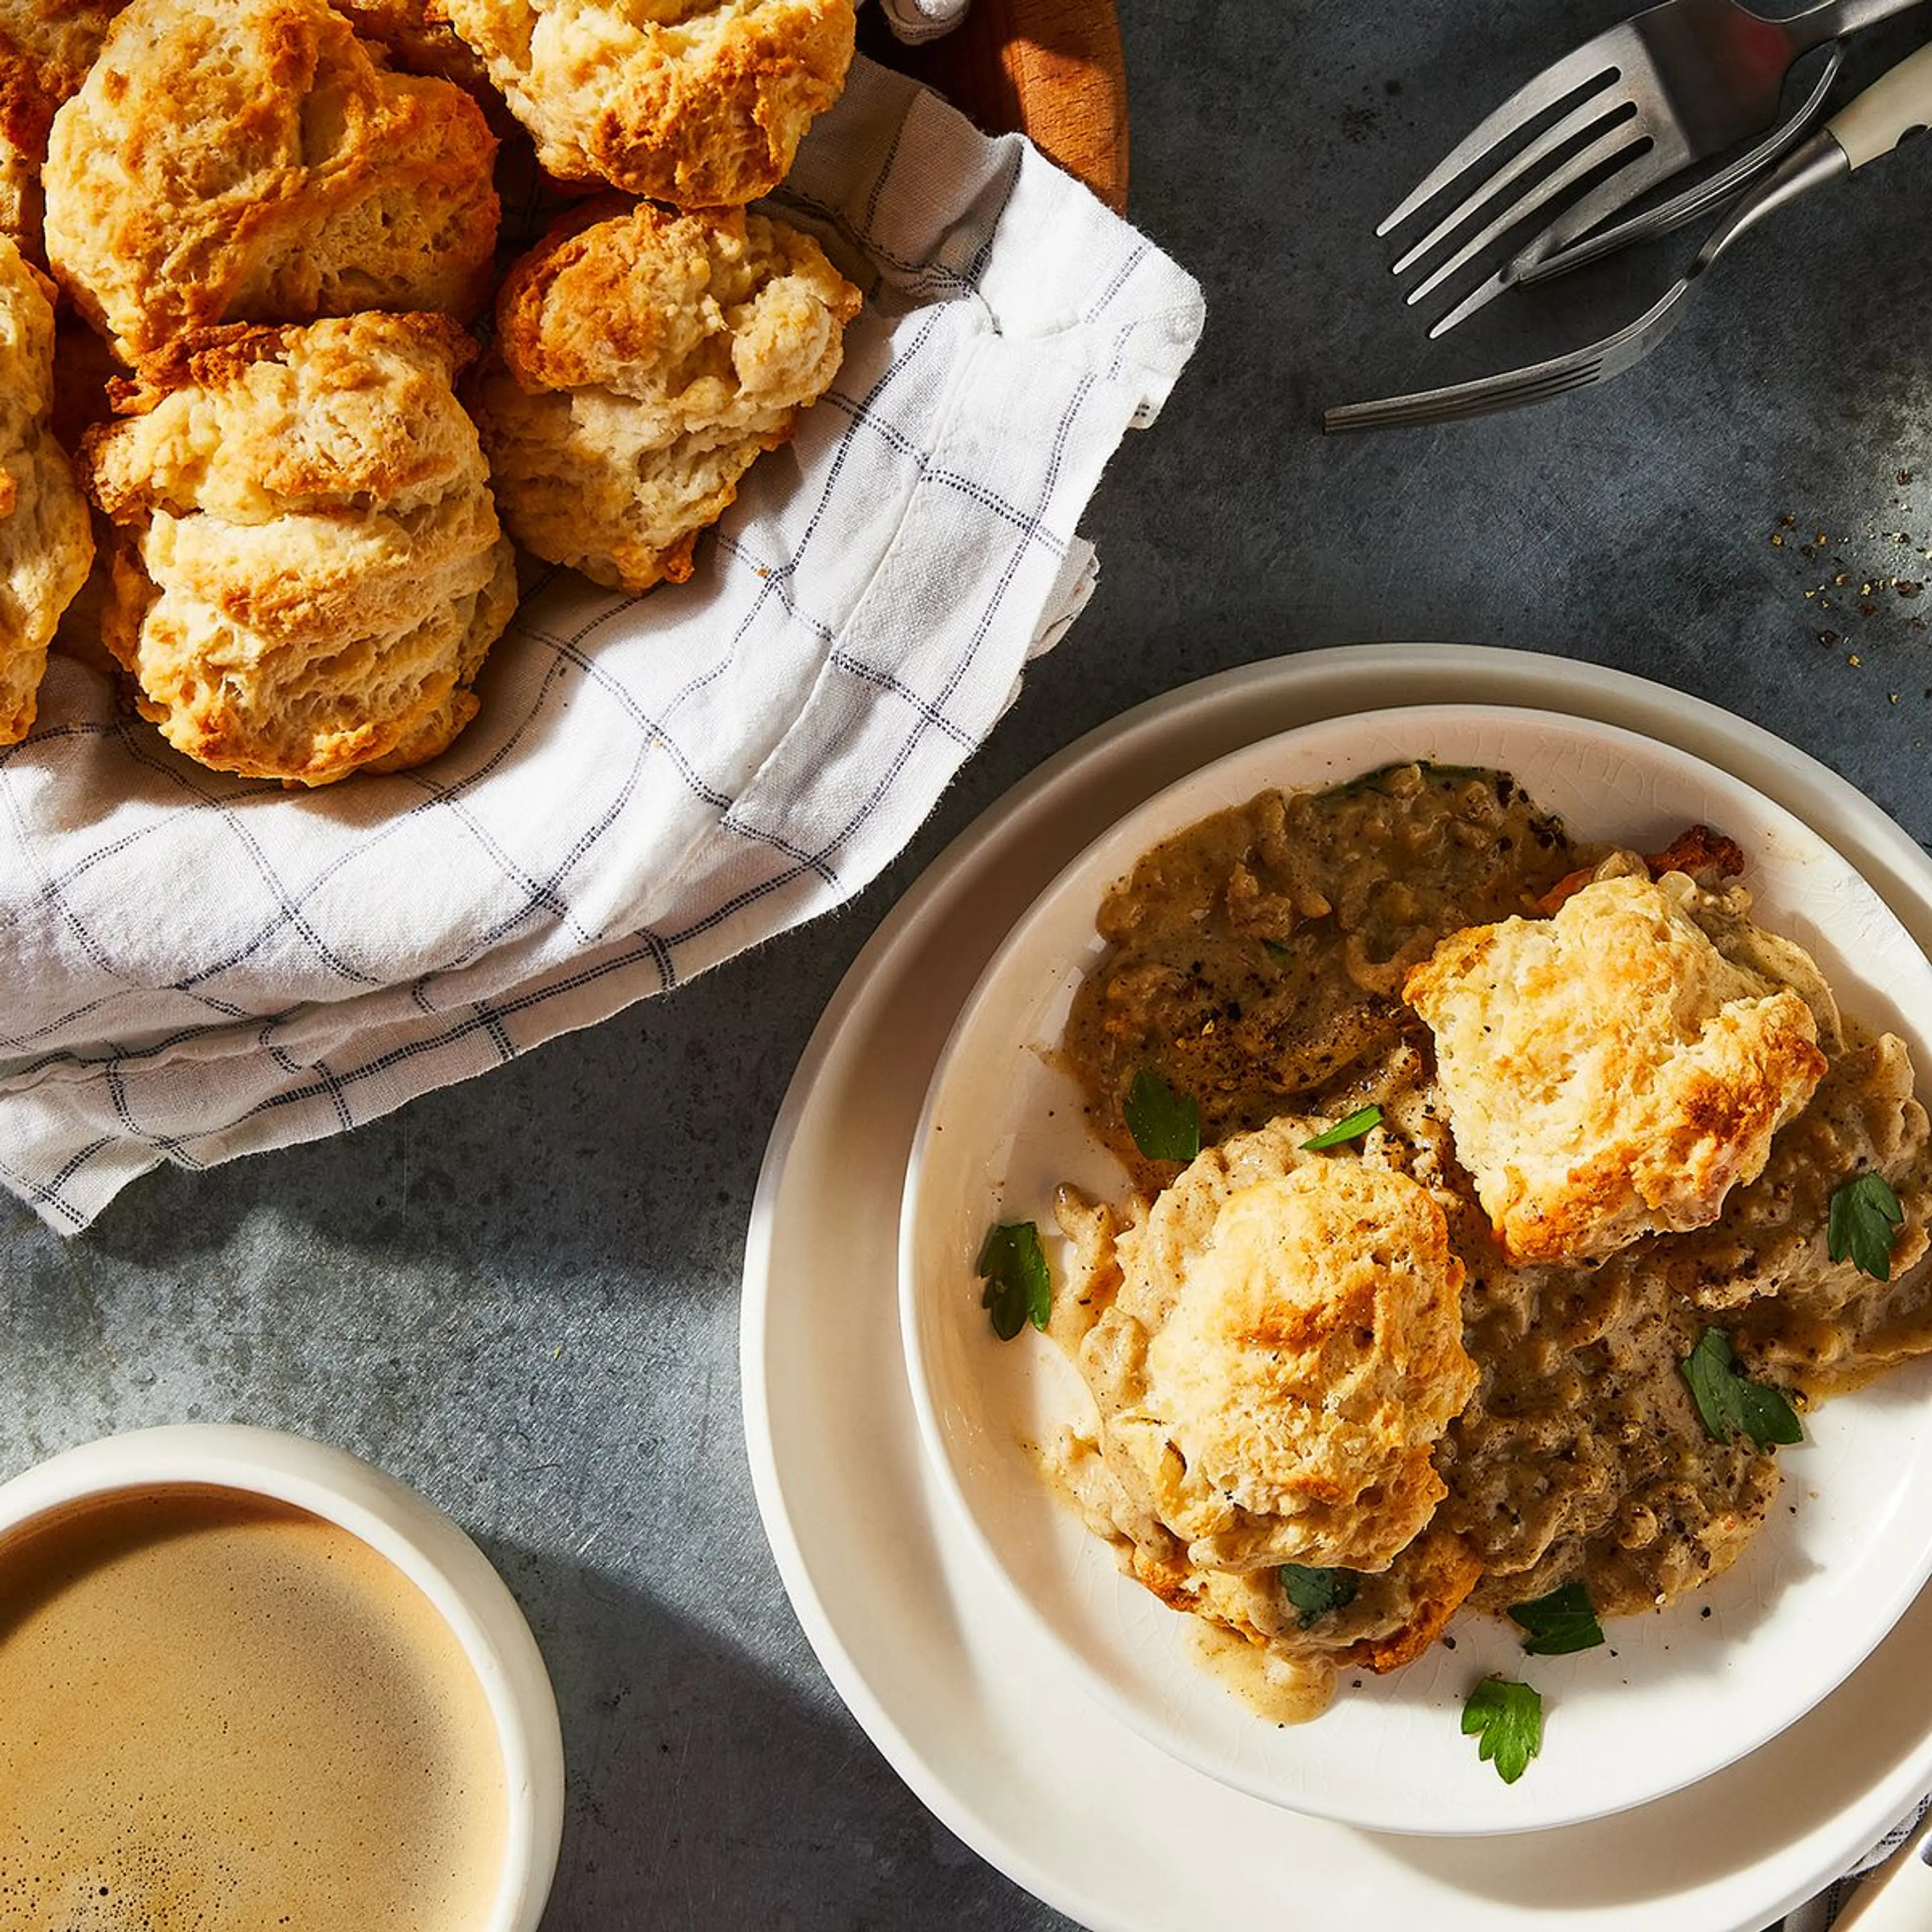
(988, 1726)
(1673, 1696)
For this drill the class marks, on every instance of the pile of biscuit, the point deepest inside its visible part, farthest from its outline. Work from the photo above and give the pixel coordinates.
(248, 440)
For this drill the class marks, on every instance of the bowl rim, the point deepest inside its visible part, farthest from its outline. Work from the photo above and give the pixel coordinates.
(1116, 848)
(403, 1527)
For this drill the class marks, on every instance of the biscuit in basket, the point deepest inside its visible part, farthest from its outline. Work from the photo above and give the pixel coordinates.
(698, 103)
(1608, 1072)
(308, 568)
(46, 543)
(252, 161)
(643, 360)
(46, 47)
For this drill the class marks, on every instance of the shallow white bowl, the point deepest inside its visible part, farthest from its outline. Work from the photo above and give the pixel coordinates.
(1672, 1697)
(429, 1549)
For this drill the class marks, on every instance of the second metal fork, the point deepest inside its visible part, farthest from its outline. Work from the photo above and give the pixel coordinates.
(1897, 104)
(1679, 83)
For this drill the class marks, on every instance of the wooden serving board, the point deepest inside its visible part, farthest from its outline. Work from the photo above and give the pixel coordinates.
(1051, 69)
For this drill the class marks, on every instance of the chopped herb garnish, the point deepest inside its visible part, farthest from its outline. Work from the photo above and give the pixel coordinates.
(1275, 949)
(1864, 1213)
(1509, 1717)
(1728, 1402)
(1165, 1125)
(1315, 1592)
(1018, 1287)
(1558, 1623)
(1352, 1128)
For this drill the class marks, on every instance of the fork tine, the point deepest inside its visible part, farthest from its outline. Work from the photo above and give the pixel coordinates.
(1520, 396)
(1665, 159)
(1581, 120)
(1590, 65)
(1643, 165)
(1513, 388)
(1485, 394)
(1559, 249)
(1617, 145)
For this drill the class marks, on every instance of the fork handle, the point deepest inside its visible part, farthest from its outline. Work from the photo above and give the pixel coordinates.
(1897, 103)
(1837, 18)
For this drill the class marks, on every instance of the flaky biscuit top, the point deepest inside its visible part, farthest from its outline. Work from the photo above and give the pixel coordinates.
(46, 47)
(309, 569)
(253, 160)
(250, 424)
(1608, 1072)
(643, 359)
(718, 320)
(699, 102)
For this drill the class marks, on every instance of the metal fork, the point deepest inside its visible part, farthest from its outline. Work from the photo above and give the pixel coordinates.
(1898, 103)
(1677, 84)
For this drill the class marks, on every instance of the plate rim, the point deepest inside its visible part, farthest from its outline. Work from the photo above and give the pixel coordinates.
(1888, 858)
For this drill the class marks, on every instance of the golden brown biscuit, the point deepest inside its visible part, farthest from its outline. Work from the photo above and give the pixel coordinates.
(698, 103)
(1311, 1360)
(46, 47)
(85, 374)
(46, 543)
(1284, 1352)
(310, 567)
(643, 360)
(251, 160)
(1608, 1072)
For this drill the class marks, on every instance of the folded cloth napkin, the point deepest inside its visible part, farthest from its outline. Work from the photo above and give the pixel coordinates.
(196, 967)
(1821, 1913)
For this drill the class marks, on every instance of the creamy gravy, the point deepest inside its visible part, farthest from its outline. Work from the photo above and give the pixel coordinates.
(1254, 962)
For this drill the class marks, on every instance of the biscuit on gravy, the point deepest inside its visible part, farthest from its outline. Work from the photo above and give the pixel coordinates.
(252, 161)
(46, 542)
(309, 568)
(1608, 1072)
(1283, 1354)
(698, 103)
(643, 360)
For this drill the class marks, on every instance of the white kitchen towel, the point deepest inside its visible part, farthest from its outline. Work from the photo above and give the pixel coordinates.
(193, 967)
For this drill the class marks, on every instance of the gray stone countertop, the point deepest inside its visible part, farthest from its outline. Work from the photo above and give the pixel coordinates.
(522, 1295)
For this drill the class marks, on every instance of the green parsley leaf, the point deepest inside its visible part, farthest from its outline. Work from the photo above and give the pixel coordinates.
(1864, 1211)
(1018, 1287)
(1510, 1717)
(1728, 1402)
(1562, 1621)
(1352, 1128)
(1165, 1125)
(1315, 1592)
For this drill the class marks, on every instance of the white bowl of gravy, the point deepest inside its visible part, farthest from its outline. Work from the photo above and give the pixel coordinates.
(249, 1683)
